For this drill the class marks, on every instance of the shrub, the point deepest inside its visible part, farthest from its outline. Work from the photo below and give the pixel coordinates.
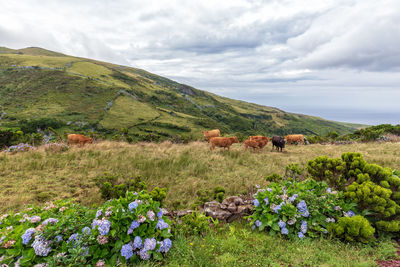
(370, 196)
(329, 170)
(158, 194)
(219, 193)
(356, 228)
(273, 178)
(298, 209)
(195, 223)
(110, 185)
(127, 229)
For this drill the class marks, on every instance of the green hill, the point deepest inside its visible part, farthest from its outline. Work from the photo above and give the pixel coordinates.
(81, 94)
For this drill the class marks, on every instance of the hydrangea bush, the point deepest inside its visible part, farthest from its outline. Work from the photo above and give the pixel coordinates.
(298, 209)
(123, 230)
(19, 148)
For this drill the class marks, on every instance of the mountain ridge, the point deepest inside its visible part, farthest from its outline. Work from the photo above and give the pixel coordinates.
(36, 83)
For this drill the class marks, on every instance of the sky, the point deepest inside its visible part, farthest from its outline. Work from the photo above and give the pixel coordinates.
(338, 59)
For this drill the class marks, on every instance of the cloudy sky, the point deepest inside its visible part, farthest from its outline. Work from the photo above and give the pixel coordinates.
(339, 59)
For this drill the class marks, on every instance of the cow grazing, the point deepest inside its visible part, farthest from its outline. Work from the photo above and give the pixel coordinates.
(212, 133)
(278, 142)
(293, 138)
(224, 142)
(79, 139)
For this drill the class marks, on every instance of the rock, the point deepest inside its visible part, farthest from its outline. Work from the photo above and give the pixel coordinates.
(213, 209)
(233, 199)
(181, 213)
(232, 207)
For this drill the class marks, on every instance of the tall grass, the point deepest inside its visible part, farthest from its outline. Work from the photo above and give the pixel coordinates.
(39, 176)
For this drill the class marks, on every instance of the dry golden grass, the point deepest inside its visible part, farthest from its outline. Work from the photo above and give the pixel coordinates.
(37, 176)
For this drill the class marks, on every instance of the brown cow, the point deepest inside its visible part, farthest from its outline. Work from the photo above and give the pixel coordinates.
(224, 142)
(79, 139)
(293, 138)
(252, 143)
(262, 140)
(212, 133)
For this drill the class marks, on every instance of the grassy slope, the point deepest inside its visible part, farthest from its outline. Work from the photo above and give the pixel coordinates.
(82, 90)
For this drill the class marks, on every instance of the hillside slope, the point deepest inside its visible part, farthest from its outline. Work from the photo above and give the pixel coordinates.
(87, 94)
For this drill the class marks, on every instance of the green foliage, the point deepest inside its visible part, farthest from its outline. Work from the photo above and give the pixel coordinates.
(203, 196)
(195, 223)
(388, 226)
(10, 137)
(158, 194)
(315, 139)
(110, 186)
(370, 196)
(298, 209)
(86, 236)
(31, 126)
(356, 228)
(294, 171)
(326, 169)
(219, 193)
(273, 178)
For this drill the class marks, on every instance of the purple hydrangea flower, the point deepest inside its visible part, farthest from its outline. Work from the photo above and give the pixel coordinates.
(300, 235)
(27, 236)
(266, 200)
(160, 213)
(278, 208)
(284, 231)
(167, 244)
(58, 238)
(303, 227)
(86, 231)
(269, 189)
(104, 227)
(98, 213)
(302, 208)
(137, 242)
(256, 202)
(351, 213)
(282, 224)
(258, 223)
(329, 190)
(150, 214)
(50, 221)
(133, 205)
(143, 254)
(41, 246)
(127, 251)
(161, 224)
(150, 244)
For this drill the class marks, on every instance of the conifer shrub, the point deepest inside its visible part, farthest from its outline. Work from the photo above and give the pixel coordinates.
(353, 229)
(326, 169)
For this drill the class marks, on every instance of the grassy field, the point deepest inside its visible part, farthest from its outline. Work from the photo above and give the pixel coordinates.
(38, 176)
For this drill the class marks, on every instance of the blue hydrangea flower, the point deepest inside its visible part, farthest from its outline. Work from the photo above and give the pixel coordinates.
(149, 244)
(293, 198)
(137, 242)
(351, 213)
(50, 221)
(133, 205)
(98, 213)
(269, 189)
(104, 227)
(74, 239)
(27, 236)
(302, 208)
(266, 200)
(134, 225)
(143, 254)
(160, 213)
(282, 224)
(278, 208)
(329, 190)
(256, 202)
(167, 245)
(258, 223)
(161, 224)
(300, 235)
(86, 231)
(303, 227)
(284, 231)
(127, 251)
(41, 246)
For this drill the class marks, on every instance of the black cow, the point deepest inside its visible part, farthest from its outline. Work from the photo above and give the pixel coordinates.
(278, 142)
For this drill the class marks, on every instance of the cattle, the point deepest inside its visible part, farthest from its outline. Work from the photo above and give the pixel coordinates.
(251, 143)
(294, 138)
(212, 133)
(79, 139)
(278, 142)
(224, 142)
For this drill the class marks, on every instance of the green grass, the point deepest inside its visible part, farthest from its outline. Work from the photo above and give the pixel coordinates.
(183, 169)
(82, 89)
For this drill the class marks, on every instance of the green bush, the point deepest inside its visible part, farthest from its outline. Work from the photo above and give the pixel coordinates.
(273, 178)
(128, 229)
(298, 209)
(158, 194)
(356, 228)
(329, 170)
(195, 223)
(370, 196)
(219, 193)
